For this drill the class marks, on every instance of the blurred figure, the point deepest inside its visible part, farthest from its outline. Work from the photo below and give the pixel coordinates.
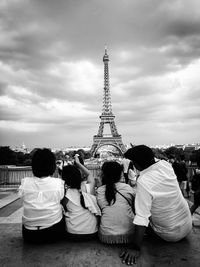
(185, 187)
(130, 172)
(63, 162)
(126, 165)
(196, 189)
(180, 170)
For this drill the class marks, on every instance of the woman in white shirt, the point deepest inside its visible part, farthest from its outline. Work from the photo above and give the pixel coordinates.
(42, 214)
(81, 209)
(116, 200)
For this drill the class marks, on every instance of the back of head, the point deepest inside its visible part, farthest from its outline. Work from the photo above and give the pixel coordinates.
(72, 176)
(43, 163)
(142, 156)
(111, 172)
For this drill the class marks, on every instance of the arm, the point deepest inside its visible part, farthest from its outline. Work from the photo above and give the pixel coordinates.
(143, 202)
(131, 255)
(86, 172)
(81, 167)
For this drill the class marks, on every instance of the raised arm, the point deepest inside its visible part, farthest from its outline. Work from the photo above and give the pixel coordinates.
(87, 173)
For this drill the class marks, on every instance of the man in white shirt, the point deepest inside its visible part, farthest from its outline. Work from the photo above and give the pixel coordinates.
(158, 203)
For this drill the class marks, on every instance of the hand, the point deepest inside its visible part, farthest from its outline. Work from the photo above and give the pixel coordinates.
(130, 257)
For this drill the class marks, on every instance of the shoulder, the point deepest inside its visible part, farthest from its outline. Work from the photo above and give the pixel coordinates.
(56, 181)
(123, 186)
(27, 180)
(155, 174)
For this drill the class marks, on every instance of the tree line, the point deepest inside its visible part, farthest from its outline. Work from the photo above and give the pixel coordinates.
(11, 157)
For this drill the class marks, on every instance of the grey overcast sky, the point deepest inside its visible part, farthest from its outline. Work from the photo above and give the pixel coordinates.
(51, 70)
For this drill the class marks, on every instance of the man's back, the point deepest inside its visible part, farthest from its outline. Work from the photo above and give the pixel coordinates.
(158, 188)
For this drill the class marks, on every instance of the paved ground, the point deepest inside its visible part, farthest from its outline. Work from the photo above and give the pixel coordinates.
(14, 252)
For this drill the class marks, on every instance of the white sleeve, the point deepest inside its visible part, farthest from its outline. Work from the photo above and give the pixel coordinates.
(143, 202)
(62, 188)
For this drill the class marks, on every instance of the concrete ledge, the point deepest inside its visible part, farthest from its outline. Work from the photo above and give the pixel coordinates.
(155, 252)
(9, 199)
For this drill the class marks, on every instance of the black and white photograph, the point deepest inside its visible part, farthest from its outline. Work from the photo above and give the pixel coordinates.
(100, 133)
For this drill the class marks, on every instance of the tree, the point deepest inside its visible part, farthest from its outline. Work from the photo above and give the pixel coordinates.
(7, 156)
(177, 152)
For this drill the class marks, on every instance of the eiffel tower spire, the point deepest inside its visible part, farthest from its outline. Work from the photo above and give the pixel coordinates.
(107, 107)
(107, 116)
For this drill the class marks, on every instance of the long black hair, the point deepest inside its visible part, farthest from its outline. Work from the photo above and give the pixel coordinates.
(111, 174)
(72, 177)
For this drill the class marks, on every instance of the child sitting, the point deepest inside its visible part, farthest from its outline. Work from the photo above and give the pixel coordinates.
(80, 204)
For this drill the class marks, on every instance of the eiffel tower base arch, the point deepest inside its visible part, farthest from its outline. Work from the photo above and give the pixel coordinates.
(101, 141)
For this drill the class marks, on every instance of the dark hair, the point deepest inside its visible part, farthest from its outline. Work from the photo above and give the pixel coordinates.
(72, 177)
(141, 155)
(111, 174)
(43, 162)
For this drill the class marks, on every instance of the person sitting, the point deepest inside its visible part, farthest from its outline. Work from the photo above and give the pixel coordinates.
(158, 202)
(115, 200)
(81, 209)
(42, 219)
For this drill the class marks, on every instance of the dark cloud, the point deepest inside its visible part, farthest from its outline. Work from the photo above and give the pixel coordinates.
(52, 70)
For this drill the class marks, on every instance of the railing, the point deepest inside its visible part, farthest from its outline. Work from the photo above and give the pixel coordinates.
(11, 176)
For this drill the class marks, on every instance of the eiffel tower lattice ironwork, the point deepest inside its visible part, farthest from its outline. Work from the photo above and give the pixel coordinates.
(107, 117)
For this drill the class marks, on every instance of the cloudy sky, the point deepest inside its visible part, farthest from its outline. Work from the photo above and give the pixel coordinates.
(51, 70)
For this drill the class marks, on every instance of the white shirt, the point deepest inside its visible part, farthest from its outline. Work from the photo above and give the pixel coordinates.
(160, 201)
(79, 220)
(41, 201)
(116, 219)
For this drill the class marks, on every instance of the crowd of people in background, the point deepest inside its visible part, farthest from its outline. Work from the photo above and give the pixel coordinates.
(141, 194)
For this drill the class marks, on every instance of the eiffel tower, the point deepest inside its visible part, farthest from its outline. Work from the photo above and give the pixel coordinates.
(107, 117)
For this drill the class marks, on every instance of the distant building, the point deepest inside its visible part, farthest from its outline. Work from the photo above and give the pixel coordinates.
(22, 149)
